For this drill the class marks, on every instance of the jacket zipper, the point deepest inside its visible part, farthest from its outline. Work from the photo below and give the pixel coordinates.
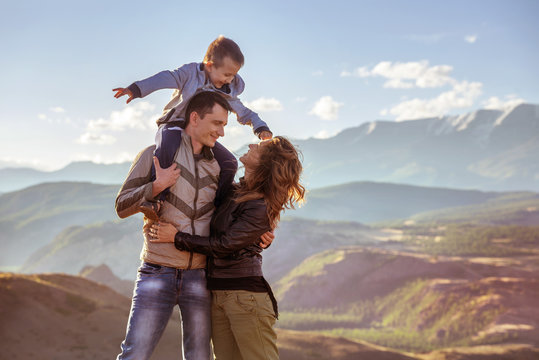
(194, 213)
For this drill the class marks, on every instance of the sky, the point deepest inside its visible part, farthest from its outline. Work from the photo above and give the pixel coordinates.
(312, 68)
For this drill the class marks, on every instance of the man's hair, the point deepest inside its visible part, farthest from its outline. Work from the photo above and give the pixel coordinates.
(221, 48)
(203, 103)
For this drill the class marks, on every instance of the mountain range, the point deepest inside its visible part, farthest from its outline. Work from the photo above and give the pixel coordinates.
(40, 222)
(483, 150)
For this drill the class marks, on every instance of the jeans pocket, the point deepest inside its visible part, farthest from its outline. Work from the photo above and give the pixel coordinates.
(150, 269)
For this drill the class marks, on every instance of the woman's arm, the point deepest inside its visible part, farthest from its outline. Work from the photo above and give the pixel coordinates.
(243, 231)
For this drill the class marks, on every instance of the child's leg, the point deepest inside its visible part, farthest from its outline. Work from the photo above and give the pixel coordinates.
(167, 141)
(229, 165)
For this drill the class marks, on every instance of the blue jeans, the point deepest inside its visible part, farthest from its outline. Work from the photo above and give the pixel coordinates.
(158, 289)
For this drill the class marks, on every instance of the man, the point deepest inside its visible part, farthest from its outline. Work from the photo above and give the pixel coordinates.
(167, 276)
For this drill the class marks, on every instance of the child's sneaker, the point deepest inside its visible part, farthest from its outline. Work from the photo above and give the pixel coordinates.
(150, 210)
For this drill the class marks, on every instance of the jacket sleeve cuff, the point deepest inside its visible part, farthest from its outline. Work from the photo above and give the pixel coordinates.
(135, 90)
(257, 131)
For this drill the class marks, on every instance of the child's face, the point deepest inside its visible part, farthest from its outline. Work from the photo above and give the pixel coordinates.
(223, 74)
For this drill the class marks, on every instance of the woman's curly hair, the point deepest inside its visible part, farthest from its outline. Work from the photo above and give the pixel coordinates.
(276, 177)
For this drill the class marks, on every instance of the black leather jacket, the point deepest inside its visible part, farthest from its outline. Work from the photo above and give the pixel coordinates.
(233, 243)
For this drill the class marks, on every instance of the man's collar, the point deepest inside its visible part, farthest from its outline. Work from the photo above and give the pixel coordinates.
(206, 152)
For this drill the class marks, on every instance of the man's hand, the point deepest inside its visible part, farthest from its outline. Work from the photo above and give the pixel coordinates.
(266, 239)
(164, 178)
(265, 135)
(123, 91)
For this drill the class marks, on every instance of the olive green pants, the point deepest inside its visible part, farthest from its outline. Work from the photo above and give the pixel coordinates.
(242, 326)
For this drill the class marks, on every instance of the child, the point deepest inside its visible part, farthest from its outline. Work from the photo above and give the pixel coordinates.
(218, 72)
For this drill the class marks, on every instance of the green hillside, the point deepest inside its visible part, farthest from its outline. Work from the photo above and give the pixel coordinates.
(369, 202)
(30, 218)
(508, 208)
(410, 301)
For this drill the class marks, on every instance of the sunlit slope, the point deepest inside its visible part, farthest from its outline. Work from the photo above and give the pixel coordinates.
(55, 316)
(409, 301)
(60, 317)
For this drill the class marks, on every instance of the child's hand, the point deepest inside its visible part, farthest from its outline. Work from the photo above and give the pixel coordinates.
(265, 135)
(123, 91)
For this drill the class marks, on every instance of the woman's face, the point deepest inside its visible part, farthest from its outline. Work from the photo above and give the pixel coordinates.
(250, 158)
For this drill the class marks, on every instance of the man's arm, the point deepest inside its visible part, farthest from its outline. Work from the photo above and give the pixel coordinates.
(137, 187)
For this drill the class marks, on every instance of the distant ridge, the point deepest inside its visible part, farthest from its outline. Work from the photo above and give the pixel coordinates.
(484, 150)
(84, 171)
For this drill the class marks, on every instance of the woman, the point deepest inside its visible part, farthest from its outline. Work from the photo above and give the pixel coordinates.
(244, 309)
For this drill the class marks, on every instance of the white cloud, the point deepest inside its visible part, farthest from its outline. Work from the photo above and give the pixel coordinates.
(237, 135)
(326, 108)
(264, 105)
(407, 75)
(119, 157)
(358, 72)
(324, 134)
(300, 99)
(57, 109)
(99, 139)
(495, 103)
(398, 84)
(462, 95)
(62, 121)
(470, 38)
(317, 73)
(137, 116)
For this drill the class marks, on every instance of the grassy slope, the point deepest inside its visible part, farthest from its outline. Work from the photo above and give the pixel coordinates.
(35, 215)
(60, 317)
(410, 302)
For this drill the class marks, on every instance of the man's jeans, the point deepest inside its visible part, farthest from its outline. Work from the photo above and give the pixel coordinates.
(158, 289)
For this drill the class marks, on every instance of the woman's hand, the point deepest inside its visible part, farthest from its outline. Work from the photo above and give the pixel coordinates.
(266, 239)
(162, 232)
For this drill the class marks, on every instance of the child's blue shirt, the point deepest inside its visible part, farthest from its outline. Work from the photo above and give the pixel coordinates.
(188, 80)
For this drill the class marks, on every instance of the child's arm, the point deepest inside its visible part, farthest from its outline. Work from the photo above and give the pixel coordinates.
(174, 79)
(248, 117)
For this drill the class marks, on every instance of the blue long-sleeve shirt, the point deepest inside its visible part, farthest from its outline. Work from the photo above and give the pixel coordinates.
(187, 81)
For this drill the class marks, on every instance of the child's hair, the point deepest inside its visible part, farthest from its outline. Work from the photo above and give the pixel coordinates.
(221, 48)
(203, 104)
(276, 177)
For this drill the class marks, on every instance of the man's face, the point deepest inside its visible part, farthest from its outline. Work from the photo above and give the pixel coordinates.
(223, 74)
(212, 126)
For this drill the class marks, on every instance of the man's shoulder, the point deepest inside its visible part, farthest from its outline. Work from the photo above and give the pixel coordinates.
(145, 154)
